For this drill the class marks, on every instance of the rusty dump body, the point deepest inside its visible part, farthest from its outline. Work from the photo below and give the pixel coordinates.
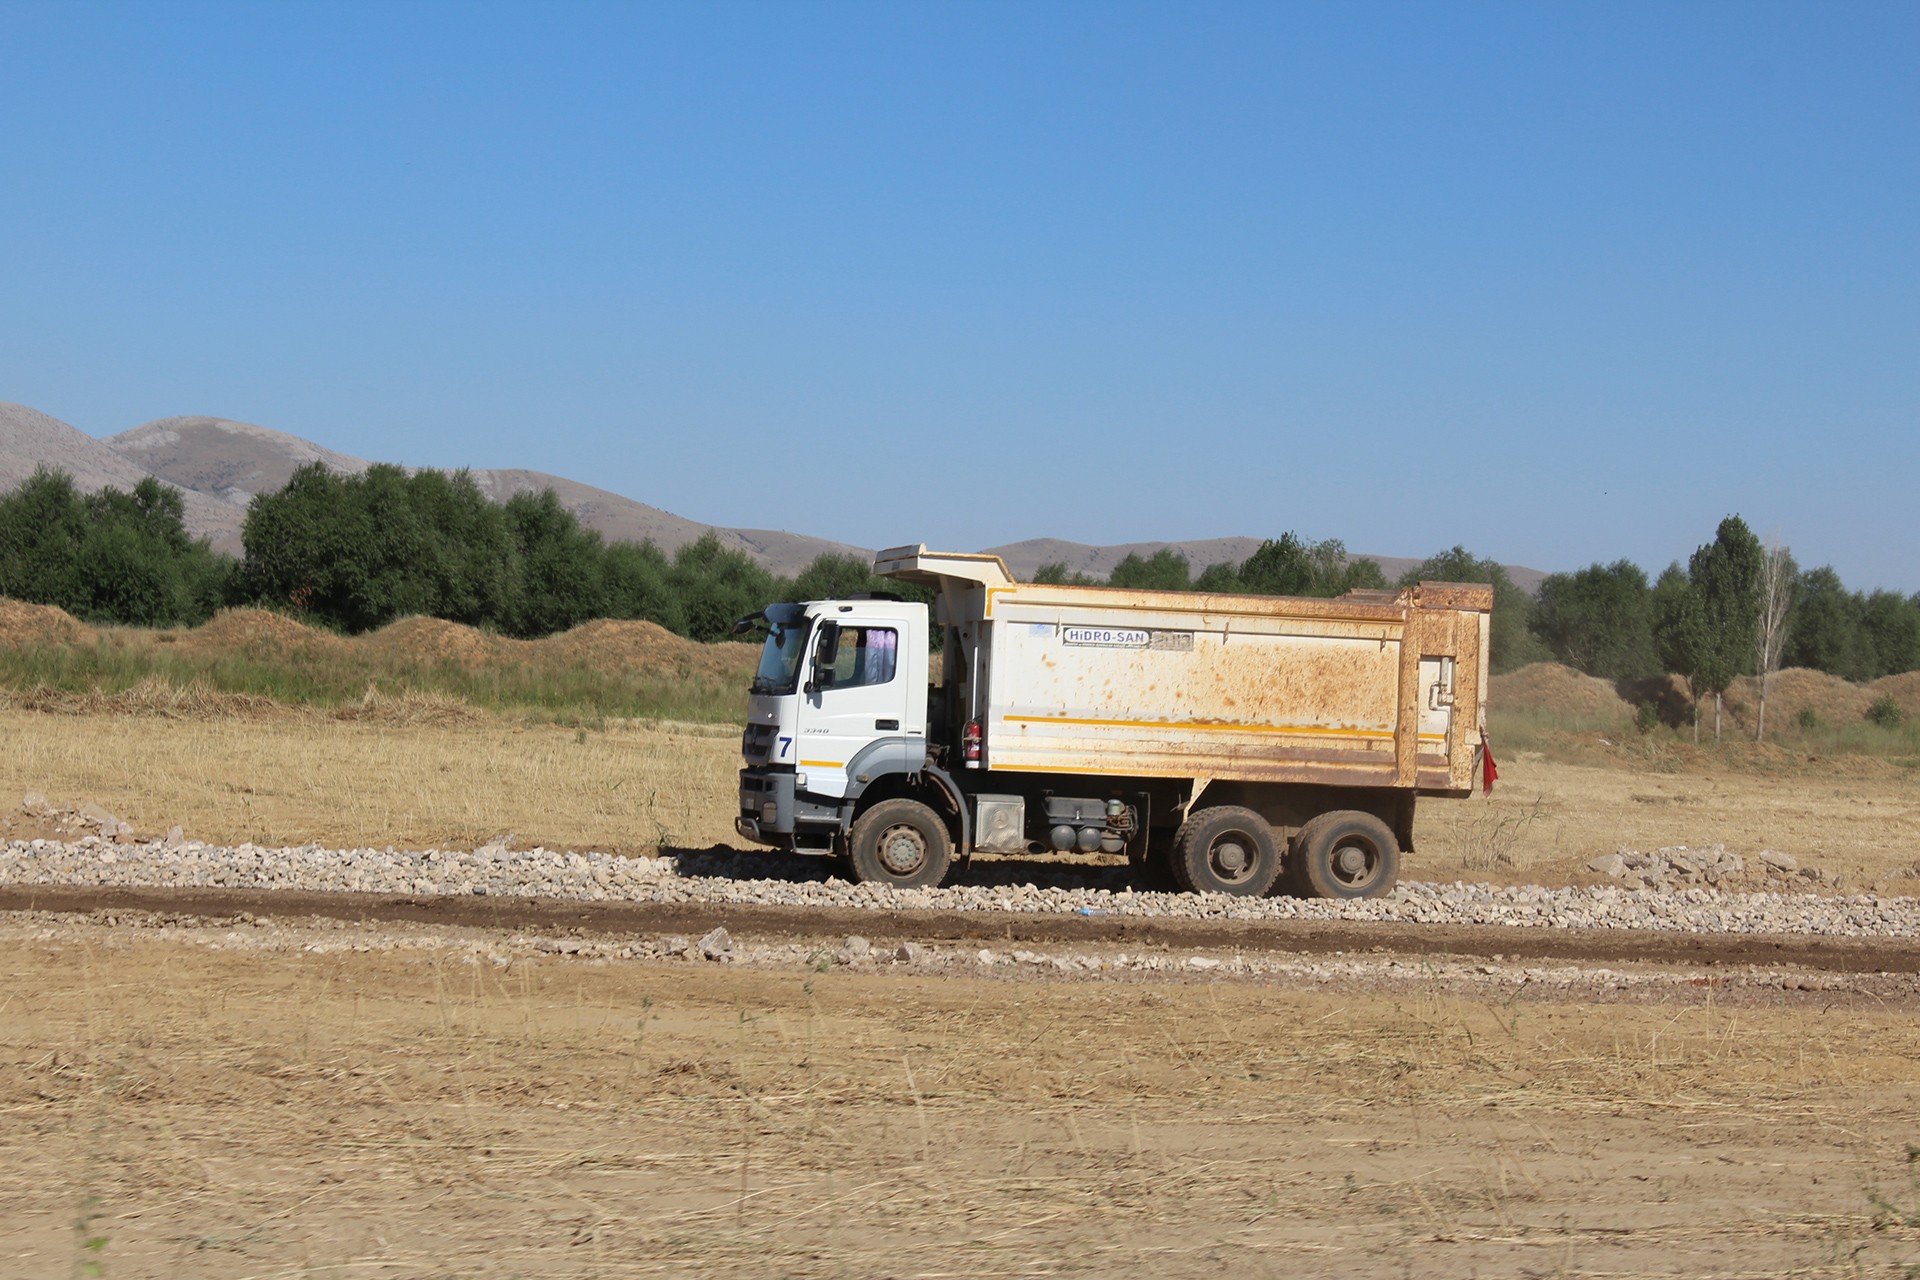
(1374, 689)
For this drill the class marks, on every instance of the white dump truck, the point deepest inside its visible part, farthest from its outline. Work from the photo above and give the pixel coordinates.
(1228, 743)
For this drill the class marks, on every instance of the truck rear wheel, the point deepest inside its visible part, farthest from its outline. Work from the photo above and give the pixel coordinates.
(1344, 854)
(1226, 850)
(902, 843)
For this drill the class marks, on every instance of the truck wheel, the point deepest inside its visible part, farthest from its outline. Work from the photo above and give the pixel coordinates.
(1226, 850)
(899, 842)
(1345, 854)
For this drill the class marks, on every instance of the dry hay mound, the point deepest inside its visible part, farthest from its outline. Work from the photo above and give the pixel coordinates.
(153, 696)
(1832, 700)
(1558, 691)
(257, 633)
(23, 624)
(644, 647)
(438, 641)
(409, 708)
(1903, 689)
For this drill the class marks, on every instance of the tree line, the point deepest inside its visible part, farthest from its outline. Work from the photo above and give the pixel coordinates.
(1735, 608)
(355, 552)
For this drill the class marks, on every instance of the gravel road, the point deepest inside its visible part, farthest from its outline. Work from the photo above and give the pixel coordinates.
(731, 877)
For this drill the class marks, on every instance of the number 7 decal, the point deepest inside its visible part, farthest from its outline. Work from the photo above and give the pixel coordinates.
(786, 745)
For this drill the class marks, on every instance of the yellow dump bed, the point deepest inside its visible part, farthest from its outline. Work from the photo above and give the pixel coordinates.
(1375, 688)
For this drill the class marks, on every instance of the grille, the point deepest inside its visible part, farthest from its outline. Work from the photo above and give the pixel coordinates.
(757, 743)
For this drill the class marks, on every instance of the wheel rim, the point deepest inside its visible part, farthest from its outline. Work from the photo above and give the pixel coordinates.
(903, 850)
(1355, 863)
(1232, 858)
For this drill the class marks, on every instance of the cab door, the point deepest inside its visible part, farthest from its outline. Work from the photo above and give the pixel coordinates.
(858, 689)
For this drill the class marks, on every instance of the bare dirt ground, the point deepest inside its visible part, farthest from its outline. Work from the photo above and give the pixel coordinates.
(362, 1088)
(240, 1098)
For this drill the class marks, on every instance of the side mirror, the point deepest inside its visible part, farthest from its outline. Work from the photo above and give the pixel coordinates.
(826, 650)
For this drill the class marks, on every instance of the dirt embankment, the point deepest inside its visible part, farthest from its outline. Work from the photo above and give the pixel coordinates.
(259, 635)
(1562, 693)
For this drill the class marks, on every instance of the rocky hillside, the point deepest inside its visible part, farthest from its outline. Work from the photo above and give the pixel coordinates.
(220, 464)
(30, 439)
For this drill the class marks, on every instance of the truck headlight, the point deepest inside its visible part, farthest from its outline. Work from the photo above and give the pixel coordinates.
(769, 812)
(800, 781)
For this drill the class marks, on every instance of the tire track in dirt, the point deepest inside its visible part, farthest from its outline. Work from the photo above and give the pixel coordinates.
(618, 919)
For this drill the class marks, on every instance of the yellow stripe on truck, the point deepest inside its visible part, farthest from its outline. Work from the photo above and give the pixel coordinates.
(1221, 727)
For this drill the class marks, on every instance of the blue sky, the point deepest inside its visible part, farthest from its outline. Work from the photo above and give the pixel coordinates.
(1561, 282)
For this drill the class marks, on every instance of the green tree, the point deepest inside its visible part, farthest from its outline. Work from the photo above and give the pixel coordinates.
(1512, 644)
(1725, 575)
(1363, 575)
(718, 585)
(1222, 578)
(1679, 632)
(1890, 633)
(1056, 574)
(111, 556)
(1599, 620)
(1283, 566)
(1826, 627)
(355, 552)
(467, 552)
(640, 586)
(1164, 570)
(836, 576)
(42, 523)
(562, 567)
(1291, 566)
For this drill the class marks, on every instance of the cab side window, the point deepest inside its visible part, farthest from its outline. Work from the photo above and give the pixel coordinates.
(868, 655)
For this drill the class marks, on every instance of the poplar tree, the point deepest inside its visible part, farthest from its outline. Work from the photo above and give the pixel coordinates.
(1725, 576)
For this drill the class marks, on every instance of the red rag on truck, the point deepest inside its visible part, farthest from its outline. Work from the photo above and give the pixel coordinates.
(1489, 771)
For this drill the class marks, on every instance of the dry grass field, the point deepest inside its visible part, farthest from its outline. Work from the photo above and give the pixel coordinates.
(358, 1101)
(197, 1107)
(630, 787)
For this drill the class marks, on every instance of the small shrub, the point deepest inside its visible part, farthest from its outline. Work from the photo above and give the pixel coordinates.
(1808, 718)
(1646, 717)
(1885, 712)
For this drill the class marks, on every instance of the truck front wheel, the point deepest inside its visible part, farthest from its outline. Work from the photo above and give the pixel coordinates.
(1226, 850)
(902, 843)
(1345, 854)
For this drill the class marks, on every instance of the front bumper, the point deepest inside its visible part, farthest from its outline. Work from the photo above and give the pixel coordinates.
(774, 812)
(766, 806)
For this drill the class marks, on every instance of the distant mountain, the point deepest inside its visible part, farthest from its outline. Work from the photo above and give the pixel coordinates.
(219, 465)
(224, 459)
(1098, 562)
(232, 461)
(30, 439)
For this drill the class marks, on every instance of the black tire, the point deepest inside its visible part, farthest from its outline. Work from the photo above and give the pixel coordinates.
(1226, 850)
(1345, 854)
(902, 843)
(1293, 878)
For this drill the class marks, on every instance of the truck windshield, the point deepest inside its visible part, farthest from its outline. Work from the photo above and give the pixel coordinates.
(786, 644)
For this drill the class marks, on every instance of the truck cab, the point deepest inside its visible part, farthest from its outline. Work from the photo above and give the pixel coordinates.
(839, 701)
